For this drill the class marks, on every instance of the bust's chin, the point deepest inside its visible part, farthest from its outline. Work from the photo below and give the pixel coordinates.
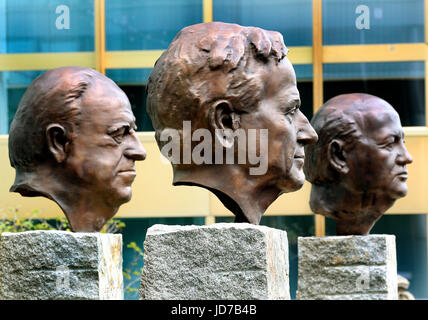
(118, 197)
(398, 192)
(292, 183)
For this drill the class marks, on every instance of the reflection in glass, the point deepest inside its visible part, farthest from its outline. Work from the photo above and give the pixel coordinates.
(35, 26)
(400, 83)
(372, 21)
(296, 226)
(410, 231)
(149, 24)
(293, 18)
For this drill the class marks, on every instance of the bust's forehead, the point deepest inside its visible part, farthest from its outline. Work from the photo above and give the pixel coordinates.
(368, 112)
(358, 106)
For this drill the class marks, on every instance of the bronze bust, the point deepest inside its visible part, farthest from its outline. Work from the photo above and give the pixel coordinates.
(358, 166)
(73, 141)
(215, 80)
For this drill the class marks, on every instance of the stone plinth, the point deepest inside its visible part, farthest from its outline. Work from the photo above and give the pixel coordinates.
(347, 267)
(60, 265)
(219, 261)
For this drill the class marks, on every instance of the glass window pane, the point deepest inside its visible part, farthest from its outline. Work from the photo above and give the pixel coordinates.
(304, 74)
(400, 83)
(35, 26)
(374, 70)
(135, 231)
(296, 226)
(293, 18)
(372, 21)
(149, 24)
(12, 88)
(133, 83)
(410, 231)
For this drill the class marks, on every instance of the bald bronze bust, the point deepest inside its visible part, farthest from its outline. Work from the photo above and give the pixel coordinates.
(221, 82)
(358, 166)
(73, 141)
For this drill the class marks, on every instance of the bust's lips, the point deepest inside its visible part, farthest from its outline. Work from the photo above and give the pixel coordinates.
(299, 156)
(128, 169)
(129, 175)
(127, 172)
(402, 175)
(299, 159)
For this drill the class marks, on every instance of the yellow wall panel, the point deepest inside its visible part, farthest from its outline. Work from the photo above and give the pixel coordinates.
(45, 61)
(374, 53)
(132, 59)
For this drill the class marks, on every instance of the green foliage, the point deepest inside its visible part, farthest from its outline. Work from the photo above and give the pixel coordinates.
(132, 286)
(14, 222)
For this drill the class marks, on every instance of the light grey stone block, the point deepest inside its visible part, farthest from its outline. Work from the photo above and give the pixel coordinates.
(45, 265)
(347, 267)
(219, 261)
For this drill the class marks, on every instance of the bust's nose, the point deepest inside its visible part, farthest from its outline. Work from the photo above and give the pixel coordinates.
(305, 133)
(134, 149)
(404, 157)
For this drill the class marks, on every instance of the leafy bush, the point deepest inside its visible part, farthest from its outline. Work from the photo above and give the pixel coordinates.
(14, 223)
(132, 286)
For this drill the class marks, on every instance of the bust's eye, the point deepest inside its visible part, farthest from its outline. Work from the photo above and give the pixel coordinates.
(119, 134)
(391, 142)
(292, 111)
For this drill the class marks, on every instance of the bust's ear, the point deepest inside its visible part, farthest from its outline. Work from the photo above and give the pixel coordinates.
(57, 141)
(227, 120)
(337, 156)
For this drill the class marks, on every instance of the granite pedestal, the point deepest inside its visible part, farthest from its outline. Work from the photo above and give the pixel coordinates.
(219, 261)
(347, 268)
(44, 265)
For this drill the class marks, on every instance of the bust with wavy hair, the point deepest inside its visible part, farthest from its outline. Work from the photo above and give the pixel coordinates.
(226, 78)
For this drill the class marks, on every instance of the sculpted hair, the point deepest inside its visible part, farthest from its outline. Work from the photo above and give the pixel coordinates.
(205, 63)
(53, 97)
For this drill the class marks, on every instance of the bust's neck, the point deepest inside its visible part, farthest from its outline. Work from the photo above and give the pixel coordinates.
(84, 211)
(354, 213)
(246, 196)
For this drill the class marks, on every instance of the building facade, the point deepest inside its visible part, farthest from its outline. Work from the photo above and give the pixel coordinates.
(336, 46)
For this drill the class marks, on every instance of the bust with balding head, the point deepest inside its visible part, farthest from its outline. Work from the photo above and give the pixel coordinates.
(358, 166)
(220, 82)
(73, 141)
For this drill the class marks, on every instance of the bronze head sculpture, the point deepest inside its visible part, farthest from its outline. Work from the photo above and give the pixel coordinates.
(217, 79)
(73, 141)
(358, 166)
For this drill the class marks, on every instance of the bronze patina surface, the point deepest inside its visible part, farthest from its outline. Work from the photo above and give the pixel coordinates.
(358, 166)
(73, 141)
(225, 77)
